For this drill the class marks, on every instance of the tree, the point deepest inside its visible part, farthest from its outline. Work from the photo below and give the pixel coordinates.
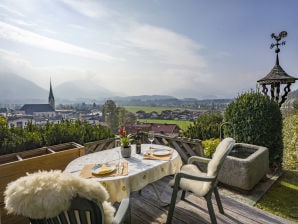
(205, 127)
(110, 115)
(3, 129)
(124, 116)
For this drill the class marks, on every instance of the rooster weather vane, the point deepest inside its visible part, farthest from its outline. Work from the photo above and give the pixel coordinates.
(280, 36)
(277, 76)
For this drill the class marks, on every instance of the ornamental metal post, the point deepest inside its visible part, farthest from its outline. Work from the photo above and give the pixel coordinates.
(277, 76)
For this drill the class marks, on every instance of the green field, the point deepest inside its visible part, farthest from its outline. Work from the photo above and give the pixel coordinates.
(182, 124)
(149, 109)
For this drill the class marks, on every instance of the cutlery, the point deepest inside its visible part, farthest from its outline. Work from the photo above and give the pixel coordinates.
(120, 168)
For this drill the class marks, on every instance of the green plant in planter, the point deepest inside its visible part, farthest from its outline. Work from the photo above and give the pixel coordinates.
(257, 120)
(124, 138)
(209, 146)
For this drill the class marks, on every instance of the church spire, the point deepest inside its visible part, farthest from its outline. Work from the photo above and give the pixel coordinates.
(51, 96)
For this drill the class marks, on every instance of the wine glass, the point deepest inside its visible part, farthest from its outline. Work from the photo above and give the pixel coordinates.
(151, 136)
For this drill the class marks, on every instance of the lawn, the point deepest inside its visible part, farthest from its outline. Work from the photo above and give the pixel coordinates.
(149, 109)
(281, 199)
(182, 124)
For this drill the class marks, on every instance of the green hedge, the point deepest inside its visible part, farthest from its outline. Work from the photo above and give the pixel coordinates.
(17, 139)
(290, 139)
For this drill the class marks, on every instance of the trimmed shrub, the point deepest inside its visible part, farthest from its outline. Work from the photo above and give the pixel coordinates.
(257, 120)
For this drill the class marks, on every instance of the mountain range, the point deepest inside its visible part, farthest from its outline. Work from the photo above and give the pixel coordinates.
(15, 89)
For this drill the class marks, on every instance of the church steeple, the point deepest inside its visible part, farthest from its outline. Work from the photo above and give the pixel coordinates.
(51, 97)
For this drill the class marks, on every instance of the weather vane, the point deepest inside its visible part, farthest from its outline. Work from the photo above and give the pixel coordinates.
(280, 36)
(277, 77)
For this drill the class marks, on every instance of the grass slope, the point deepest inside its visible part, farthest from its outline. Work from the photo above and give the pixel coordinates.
(281, 199)
(182, 124)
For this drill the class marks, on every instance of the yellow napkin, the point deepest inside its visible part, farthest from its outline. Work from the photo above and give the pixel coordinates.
(104, 169)
(86, 172)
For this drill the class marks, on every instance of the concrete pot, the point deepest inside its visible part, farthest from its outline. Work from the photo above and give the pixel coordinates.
(245, 166)
(126, 152)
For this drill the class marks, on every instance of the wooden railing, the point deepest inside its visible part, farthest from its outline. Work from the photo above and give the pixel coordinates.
(185, 147)
(100, 145)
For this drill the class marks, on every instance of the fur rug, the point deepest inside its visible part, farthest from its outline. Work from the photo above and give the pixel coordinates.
(45, 194)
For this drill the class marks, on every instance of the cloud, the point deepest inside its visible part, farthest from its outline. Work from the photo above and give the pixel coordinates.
(167, 46)
(16, 34)
(11, 11)
(12, 62)
(88, 8)
(151, 43)
(22, 23)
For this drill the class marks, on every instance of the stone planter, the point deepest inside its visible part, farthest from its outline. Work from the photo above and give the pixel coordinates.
(245, 166)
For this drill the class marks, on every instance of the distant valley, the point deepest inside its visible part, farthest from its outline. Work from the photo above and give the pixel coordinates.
(15, 89)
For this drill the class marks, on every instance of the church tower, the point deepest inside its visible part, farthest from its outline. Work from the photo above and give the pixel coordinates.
(51, 97)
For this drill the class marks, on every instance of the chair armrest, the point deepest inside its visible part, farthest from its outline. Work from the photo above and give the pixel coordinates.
(199, 159)
(122, 212)
(183, 174)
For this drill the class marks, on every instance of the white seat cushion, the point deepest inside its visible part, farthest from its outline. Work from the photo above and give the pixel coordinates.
(219, 156)
(201, 188)
(198, 187)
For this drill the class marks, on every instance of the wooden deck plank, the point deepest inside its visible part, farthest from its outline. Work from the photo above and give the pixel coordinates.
(147, 210)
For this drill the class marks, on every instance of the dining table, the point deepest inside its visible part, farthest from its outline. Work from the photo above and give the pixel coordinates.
(130, 174)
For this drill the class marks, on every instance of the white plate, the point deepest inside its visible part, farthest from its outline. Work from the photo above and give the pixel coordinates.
(161, 152)
(103, 168)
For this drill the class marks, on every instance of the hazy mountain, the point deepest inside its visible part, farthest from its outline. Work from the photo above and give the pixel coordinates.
(16, 89)
(81, 90)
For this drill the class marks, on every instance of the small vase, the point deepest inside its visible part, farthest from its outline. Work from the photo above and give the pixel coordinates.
(125, 151)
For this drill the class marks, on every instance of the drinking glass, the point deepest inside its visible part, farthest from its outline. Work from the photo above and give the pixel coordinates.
(151, 136)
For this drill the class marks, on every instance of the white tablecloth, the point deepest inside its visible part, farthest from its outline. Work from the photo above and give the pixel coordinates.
(140, 172)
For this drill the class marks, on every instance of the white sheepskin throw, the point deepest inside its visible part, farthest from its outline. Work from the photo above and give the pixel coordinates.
(45, 194)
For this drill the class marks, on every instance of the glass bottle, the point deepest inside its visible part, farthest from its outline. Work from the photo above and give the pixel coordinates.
(138, 142)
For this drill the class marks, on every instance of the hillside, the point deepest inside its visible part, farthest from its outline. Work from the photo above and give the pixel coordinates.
(15, 89)
(81, 90)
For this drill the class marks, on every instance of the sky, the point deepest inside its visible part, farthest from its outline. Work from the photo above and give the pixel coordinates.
(190, 48)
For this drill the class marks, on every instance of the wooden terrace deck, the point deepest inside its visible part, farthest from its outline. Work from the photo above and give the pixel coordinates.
(146, 209)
